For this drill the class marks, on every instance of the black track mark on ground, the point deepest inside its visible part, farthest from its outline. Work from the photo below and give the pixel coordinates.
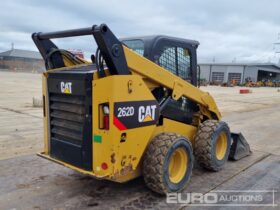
(19, 112)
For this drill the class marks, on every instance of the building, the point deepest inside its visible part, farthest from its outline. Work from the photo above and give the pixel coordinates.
(226, 72)
(21, 60)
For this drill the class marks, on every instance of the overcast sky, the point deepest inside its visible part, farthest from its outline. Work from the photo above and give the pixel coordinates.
(241, 30)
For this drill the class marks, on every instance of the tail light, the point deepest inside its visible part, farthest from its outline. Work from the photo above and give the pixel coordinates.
(104, 116)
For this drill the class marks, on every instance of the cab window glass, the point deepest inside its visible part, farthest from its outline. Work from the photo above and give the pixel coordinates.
(137, 45)
(177, 61)
(184, 65)
(168, 59)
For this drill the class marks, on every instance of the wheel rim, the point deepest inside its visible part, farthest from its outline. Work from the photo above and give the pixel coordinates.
(221, 146)
(178, 165)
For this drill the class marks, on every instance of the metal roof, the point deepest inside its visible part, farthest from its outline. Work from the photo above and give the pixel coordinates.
(152, 38)
(21, 54)
(241, 64)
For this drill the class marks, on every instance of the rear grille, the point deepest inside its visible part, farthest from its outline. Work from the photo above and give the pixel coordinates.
(67, 115)
(70, 116)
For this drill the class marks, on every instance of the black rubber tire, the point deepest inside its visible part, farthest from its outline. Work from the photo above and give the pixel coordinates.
(205, 144)
(156, 162)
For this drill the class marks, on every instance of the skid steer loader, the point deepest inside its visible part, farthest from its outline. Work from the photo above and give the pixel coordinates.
(134, 110)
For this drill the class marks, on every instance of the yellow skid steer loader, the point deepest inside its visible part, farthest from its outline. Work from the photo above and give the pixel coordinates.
(134, 110)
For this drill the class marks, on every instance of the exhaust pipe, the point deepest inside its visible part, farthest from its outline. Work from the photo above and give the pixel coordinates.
(239, 147)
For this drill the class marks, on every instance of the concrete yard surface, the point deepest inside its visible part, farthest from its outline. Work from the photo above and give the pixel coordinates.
(30, 182)
(21, 124)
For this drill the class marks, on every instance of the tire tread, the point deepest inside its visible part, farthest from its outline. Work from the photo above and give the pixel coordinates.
(153, 162)
(202, 148)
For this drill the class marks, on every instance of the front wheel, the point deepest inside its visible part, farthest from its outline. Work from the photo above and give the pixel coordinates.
(168, 163)
(212, 144)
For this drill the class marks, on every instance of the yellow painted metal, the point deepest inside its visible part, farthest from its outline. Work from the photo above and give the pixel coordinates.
(168, 125)
(46, 156)
(122, 157)
(46, 111)
(221, 146)
(121, 179)
(178, 165)
(161, 77)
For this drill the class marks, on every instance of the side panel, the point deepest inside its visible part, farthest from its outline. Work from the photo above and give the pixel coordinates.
(121, 148)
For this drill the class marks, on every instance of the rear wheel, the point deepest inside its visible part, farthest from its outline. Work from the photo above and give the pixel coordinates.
(168, 163)
(212, 144)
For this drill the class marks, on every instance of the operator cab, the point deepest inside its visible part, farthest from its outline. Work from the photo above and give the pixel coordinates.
(177, 55)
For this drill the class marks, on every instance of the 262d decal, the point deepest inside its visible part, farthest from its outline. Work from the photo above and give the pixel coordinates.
(135, 114)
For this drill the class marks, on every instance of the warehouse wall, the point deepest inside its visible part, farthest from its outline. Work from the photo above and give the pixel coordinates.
(244, 71)
(207, 71)
(252, 72)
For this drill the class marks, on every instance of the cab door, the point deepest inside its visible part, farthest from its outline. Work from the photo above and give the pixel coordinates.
(177, 57)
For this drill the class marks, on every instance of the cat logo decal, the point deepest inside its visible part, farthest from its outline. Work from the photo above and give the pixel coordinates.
(66, 87)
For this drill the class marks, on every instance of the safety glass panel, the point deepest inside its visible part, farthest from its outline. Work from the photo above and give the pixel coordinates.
(135, 45)
(177, 61)
(168, 59)
(184, 66)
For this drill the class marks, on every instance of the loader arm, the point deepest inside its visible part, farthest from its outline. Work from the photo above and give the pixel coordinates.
(160, 76)
(120, 60)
